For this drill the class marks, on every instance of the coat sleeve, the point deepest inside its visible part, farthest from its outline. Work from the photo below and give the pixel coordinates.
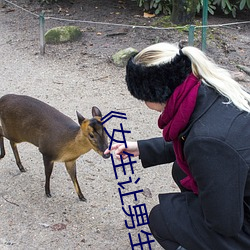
(155, 151)
(220, 173)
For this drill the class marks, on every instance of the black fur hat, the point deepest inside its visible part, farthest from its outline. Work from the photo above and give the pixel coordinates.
(156, 83)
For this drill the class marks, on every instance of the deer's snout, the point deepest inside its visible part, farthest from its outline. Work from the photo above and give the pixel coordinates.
(106, 156)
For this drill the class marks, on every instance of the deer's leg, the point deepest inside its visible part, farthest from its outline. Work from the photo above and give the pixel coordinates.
(71, 168)
(1, 144)
(48, 165)
(18, 161)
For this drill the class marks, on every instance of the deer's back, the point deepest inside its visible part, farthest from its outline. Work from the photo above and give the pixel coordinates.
(24, 118)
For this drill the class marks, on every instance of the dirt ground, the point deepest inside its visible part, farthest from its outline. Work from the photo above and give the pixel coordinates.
(77, 76)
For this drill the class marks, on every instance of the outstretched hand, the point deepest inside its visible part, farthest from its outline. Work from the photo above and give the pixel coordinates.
(132, 148)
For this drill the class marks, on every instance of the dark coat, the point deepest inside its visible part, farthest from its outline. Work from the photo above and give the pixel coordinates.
(216, 145)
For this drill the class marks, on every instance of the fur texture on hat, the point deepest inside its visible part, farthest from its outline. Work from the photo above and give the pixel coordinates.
(156, 83)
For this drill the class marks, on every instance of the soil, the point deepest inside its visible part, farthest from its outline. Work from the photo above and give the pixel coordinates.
(77, 76)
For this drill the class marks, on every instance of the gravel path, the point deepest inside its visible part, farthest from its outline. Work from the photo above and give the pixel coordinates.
(68, 79)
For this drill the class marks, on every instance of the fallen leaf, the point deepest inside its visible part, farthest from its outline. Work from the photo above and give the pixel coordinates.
(147, 15)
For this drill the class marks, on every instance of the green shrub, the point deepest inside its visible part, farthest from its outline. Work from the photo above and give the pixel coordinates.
(157, 6)
(227, 6)
(232, 6)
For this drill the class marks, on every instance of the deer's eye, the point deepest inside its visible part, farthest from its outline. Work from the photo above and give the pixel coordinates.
(91, 136)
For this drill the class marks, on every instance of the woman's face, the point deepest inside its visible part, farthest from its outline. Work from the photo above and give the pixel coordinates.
(156, 106)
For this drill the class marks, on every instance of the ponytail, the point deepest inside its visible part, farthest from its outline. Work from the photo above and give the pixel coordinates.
(218, 78)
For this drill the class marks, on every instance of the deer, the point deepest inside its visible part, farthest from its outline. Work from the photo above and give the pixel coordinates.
(58, 138)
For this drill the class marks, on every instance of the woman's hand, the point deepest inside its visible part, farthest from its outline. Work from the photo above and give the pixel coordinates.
(132, 148)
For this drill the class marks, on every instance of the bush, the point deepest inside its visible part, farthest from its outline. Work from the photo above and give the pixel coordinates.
(227, 6)
(232, 6)
(156, 6)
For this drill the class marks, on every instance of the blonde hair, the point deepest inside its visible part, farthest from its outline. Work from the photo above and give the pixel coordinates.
(202, 67)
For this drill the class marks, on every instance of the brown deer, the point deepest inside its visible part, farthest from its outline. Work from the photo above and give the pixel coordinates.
(59, 138)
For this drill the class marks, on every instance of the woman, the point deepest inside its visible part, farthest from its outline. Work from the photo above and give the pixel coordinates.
(205, 118)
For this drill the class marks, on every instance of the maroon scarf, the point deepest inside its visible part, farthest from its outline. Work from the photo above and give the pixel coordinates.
(174, 119)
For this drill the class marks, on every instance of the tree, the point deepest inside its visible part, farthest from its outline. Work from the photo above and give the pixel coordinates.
(183, 11)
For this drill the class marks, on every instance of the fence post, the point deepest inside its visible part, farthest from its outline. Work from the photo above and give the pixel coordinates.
(191, 35)
(42, 31)
(204, 24)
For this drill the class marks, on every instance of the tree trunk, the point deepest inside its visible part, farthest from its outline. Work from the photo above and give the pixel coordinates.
(183, 11)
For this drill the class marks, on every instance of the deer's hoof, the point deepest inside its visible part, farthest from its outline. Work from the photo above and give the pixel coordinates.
(82, 198)
(48, 195)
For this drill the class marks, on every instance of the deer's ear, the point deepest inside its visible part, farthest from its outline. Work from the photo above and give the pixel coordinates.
(80, 118)
(96, 112)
